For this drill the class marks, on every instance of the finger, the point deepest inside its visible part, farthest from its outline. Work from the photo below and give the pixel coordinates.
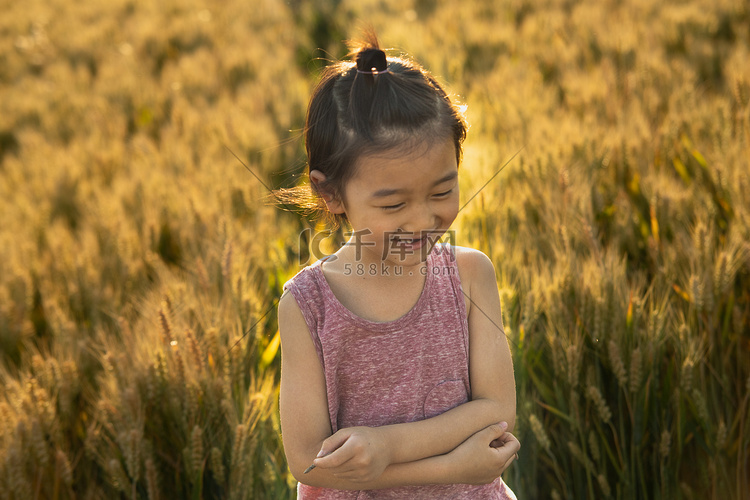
(493, 432)
(329, 446)
(337, 458)
(508, 450)
(505, 440)
(333, 442)
(497, 443)
(356, 474)
(515, 442)
(511, 442)
(510, 461)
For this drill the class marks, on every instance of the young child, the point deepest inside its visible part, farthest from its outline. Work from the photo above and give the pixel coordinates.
(396, 380)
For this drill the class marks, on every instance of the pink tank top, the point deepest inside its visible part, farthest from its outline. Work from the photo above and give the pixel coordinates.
(380, 373)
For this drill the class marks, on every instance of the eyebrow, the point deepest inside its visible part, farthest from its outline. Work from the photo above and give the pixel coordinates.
(382, 193)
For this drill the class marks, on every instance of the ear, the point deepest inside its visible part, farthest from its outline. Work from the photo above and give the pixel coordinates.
(333, 201)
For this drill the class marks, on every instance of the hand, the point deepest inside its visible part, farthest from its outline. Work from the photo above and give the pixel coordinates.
(354, 454)
(484, 456)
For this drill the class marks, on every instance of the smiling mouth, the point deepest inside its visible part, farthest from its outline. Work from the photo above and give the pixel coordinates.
(412, 242)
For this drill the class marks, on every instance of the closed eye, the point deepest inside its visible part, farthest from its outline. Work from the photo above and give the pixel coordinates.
(444, 194)
(392, 207)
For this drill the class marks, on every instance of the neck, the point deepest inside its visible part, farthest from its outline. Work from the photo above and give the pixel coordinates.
(365, 263)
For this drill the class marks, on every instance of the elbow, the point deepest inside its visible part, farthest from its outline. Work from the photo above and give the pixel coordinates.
(299, 454)
(297, 463)
(298, 468)
(296, 472)
(311, 478)
(301, 477)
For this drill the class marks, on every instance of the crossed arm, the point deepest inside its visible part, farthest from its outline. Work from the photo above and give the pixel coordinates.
(466, 444)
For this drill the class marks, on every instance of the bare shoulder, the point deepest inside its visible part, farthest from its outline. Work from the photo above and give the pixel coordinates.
(474, 266)
(476, 272)
(291, 320)
(287, 304)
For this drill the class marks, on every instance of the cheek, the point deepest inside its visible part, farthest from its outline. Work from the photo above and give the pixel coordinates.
(450, 211)
(374, 230)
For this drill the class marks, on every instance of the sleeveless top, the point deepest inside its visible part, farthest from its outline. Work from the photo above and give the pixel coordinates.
(380, 373)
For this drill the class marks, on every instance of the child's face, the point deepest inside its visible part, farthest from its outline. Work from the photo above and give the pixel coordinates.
(399, 205)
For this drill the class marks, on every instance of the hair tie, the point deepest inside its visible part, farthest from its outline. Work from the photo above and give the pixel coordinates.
(372, 62)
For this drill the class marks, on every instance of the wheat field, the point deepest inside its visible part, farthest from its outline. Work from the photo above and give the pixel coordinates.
(141, 259)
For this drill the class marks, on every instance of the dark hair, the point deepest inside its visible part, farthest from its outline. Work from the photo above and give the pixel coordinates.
(359, 113)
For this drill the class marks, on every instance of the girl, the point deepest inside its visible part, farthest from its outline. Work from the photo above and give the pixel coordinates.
(396, 377)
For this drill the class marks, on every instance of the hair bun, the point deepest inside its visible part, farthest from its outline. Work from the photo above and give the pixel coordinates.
(371, 61)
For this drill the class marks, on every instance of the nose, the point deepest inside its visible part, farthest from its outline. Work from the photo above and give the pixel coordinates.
(422, 217)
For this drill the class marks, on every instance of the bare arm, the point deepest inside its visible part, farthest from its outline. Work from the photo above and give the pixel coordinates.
(478, 460)
(490, 361)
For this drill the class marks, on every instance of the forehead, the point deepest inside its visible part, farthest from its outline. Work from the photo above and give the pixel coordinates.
(407, 166)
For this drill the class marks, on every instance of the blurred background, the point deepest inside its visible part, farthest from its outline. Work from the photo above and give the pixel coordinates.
(141, 261)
